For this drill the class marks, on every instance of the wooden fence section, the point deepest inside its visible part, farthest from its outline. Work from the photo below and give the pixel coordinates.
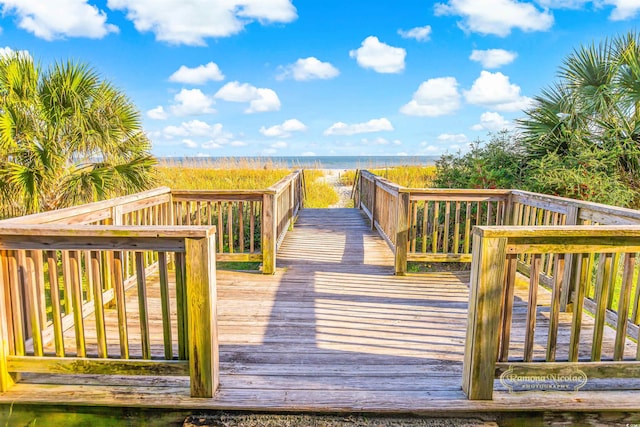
(434, 225)
(249, 224)
(604, 275)
(55, 276)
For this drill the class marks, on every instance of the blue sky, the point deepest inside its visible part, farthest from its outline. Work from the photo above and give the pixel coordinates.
(317, 77)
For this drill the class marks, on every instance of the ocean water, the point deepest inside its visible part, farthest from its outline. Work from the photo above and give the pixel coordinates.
(324, 162)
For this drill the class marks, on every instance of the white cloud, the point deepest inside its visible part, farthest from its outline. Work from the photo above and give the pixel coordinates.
(376, 141)
(157, 113)
(623, 9)
(198, 75)
(379, 56)
(308, 153)
(492, 121)
(429, 148)
(435, 97)
(310, 68)
(198, 128)
(190, 102)
(259, 99)
(189, 143)
(211, 144)
(284, 130)
(373, 125)
(279, 144)
(238, 144)
(421, 34)
(493, 58)
(190, 23)
(456, 138)
(7, 51)
(496, 91)
(50, 20)
(498, 17)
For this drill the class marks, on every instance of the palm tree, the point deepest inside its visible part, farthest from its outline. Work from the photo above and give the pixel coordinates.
(593, 107)
(66, 137)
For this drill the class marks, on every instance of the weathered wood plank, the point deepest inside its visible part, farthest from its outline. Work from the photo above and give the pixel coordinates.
(75, 366)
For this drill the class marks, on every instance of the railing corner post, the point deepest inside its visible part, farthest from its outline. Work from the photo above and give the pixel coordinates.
(202, 315)
(402, 234)
(269, 233)
(482, 339)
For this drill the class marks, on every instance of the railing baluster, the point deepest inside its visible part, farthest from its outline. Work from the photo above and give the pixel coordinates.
(98, 305)
(436, 226)
(76, 298)
(532, 307)
(54, 291)
(164, 304)
(142, 305)
(241, 227)
(554, 315)
(623, 306)
(121, 306)
(603, 281)
(456, 230)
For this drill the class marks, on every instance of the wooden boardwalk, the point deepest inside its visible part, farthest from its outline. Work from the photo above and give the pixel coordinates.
(333, 330)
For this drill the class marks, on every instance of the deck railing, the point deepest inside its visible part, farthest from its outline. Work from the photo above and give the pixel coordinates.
(602, 276)
(56, 281)
(585, 255)
(60, 271)
(250, 224)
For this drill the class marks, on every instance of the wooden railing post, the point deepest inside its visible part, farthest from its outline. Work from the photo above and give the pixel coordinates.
(402, 233)
(6, 380)
(202, 315)
(372, 208)
(570, 261)
(269, 233)
(481, 345)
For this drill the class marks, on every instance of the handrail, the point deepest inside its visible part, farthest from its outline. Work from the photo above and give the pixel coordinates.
(79, 214)
(605, 260)
(81, 268)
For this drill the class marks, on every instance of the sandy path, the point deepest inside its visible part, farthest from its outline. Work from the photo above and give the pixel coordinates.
(332, 177)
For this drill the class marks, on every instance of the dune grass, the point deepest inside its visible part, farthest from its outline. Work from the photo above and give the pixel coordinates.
(407, 176)
(240, 174)
(319, 194)
(220, 174)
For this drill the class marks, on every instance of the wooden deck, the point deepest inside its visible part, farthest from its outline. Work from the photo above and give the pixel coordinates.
(333, 330)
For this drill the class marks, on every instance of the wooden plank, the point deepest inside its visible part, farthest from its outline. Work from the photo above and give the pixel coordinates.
(28, 276)
(431, 257)
(456, 229)
(121, 307)
(592, 370)
(230, 238)
(623, 305)
(532, 307)
(467, 229)
(165, 305)
(181, 304)
(402, 233)
(554, 315)
(142, 306)
(241, 227)
(447, 220)
(202, 317)
(76, 302)
(86, 366)
(435, 227)
(583, 279)
(481, 345)
(98, 304)
(246, 257)
(269, 234)
(6, 381)
(56, 312)
(603, 282)
(506, 313)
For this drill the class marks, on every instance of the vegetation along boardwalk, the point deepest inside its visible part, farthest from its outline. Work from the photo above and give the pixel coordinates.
(332, 330)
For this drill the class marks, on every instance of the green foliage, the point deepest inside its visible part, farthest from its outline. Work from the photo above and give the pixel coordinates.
(583, 174)
(580, 138)
(66, 137)
(497, 164)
